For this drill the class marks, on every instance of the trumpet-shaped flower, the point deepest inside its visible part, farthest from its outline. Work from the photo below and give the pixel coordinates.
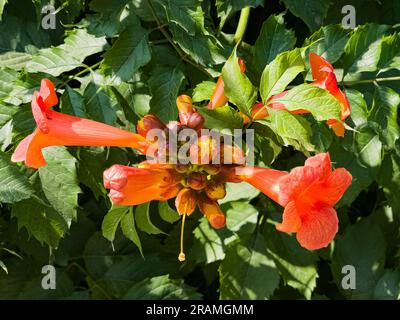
(57, 129)
(308, 195)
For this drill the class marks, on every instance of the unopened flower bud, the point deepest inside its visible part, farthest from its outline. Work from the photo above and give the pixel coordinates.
(197, 181)
(212, 168)
(147, 123)
(186, 201)
(195, 121)
(185, 107)
(212, 211)
(215, 190)
(182, 168)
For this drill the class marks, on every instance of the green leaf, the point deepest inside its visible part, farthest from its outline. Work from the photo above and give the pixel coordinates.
(247, 272)
(73, 103)
(161, 288)
(167, 213)
(203, 91)
(100, 103)
(6, 113)
(142, 218)
(14, 60)
(266, 142)
(238, 87)
(355, 248)
(164, 87)
(319, 102)
(293, 129)
(369, 147)
(14, 185)
(111, 17)
(7, 77)
(241, 217)
(129, 229)
(91, 165)
(389, 178)
(280, 72)
(203, 48)
(226, 8)
(3, 266)
(60, 182)
(130, 52)
(2, 5)
(384, 115)
(274, 39)
(239, 191)
(328, 42)
(223, 118)
(68, 56)
(359, 109)
(209, 244)
(111, 221)
(388, 286)
(6, 135)
(186, 14)
(312, 12)
(389, 52)
(362, 175)
(362, 51)
(297, 266)
(41, 222)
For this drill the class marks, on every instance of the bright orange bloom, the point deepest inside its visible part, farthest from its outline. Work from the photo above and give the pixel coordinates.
(218, 98)
(57, 129)
(308, 195)
(133, 186)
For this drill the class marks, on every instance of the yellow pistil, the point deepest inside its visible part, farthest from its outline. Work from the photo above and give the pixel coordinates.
(182, 256)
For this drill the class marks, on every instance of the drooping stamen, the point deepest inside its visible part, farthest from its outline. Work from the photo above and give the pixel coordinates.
(182, 256)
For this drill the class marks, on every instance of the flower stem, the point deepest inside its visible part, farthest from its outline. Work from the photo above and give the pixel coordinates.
(242, 25)
(181, 53)
(355, 82)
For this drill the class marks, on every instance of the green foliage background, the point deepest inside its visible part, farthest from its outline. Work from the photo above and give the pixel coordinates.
(115, 61)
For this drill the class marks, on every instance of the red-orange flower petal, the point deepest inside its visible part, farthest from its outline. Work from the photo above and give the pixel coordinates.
(39, 112)
(291, 221)
(330, 190)
(318, 227)
(133, 186)
(47, 93)
(186, 201)
(320, 68)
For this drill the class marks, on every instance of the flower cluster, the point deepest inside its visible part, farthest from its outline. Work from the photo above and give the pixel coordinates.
(307, 193)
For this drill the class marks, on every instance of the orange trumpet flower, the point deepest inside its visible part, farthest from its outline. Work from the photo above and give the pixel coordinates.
(308, 195)
(57, 129)
(132, 186)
